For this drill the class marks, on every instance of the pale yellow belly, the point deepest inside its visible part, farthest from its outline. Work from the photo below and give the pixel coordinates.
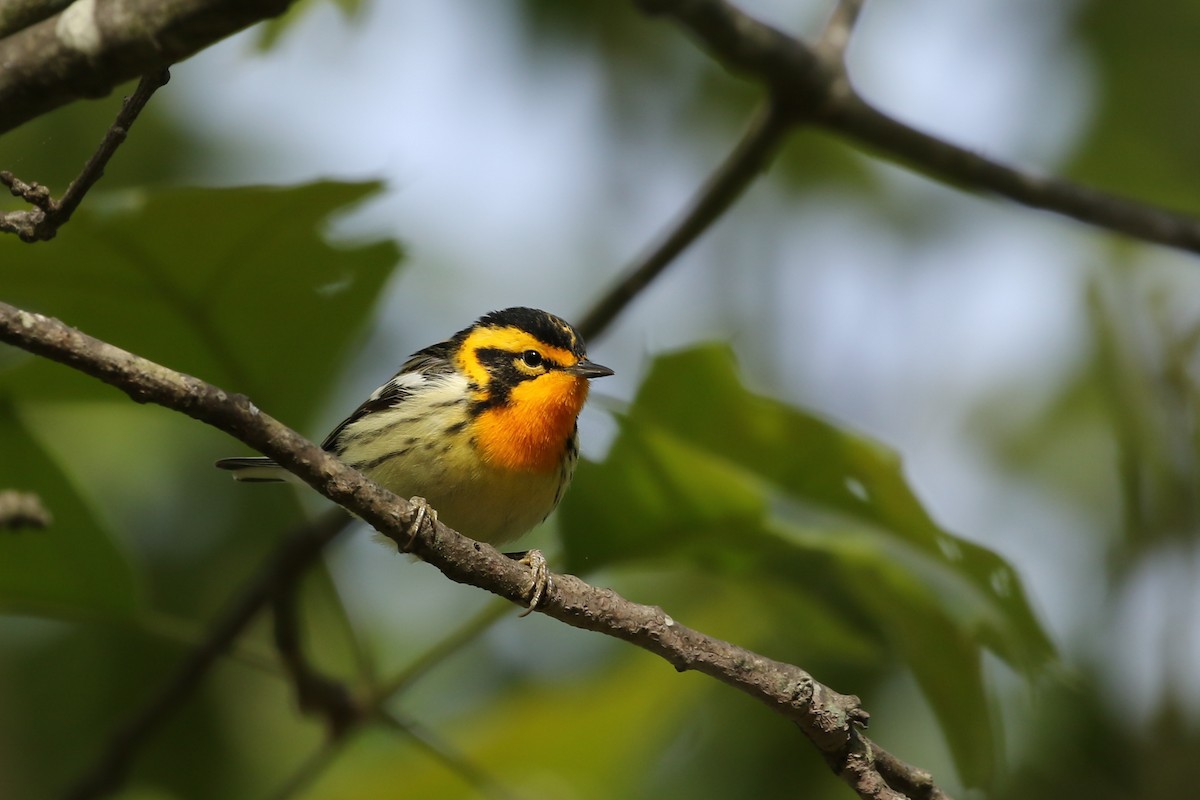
(474, 499)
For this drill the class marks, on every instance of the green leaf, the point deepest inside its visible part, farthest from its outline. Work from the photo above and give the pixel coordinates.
(1140, 141)
(72, 565)
(273, 29)
(748, 487)
(236, 286)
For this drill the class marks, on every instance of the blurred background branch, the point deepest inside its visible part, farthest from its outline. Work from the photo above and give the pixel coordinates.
(316, 693)
(289, 561)
(374, 709)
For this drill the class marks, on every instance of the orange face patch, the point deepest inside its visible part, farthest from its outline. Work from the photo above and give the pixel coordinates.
(530, 433)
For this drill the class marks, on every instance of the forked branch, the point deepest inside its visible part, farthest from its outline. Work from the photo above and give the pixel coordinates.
(42, 222)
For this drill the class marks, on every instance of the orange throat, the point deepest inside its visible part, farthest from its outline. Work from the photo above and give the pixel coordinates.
(530, 432)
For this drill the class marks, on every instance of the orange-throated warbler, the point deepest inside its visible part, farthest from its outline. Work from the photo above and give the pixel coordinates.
(482, 426)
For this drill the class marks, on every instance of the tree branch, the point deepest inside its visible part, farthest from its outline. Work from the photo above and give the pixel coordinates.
(809, 84)
(93, 46)
(832, 721)
(42, 222)
(746, 162)
(972, 172)
(315, 693)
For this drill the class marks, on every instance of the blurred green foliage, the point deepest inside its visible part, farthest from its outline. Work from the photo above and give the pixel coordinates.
(81, 570)
(1142, 138)
(270, 31)
(749, 488)
(742, 515)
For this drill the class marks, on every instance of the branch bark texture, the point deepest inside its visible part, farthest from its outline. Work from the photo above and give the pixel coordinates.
(92, 46)
(832, 721)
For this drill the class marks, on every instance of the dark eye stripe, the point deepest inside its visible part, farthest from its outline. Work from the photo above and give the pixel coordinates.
(496, 360)
(499, 361)
(503, 375)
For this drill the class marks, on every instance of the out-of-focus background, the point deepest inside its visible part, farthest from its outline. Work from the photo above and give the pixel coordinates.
(308, 202)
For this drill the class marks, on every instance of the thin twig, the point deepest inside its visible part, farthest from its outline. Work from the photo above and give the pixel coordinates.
(114, 138)
(914, 783)
(459, 638)
(291, 558)
(831, 721)
(443, 751)
(373, 706)
(440, 750)
(311, 768)
(42, 222)
(315, 693)
(747, 160)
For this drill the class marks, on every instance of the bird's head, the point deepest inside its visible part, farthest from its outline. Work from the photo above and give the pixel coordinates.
(528, 373)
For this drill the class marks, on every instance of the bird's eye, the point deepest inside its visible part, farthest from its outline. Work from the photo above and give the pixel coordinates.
(532, 358)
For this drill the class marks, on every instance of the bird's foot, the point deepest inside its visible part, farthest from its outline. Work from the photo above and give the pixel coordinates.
(421, 511)
(539, 578)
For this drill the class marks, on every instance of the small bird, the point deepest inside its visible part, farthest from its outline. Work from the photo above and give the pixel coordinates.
(482, 426)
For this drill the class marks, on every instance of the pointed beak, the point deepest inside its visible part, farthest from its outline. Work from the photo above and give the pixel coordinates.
(588, 369)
